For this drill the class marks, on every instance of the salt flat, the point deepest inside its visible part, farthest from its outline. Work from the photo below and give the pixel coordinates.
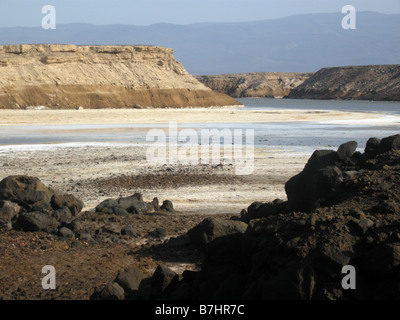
(180, 115)
(84, 168)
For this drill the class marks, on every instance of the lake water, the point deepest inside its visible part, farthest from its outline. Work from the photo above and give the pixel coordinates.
(308, 136)
(387, 107)
(302, 137)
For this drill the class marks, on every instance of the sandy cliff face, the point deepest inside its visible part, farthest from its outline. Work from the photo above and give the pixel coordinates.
(379, 82)
(258, 84)
(68, 76)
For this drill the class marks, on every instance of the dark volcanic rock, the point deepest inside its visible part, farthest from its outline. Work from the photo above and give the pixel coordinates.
(130, 279)
(346, 150)
(159, 284)
(60, 201)
(372, 146)
(297, 249)
(129, 205)
(110, 291)
(36, 221)
(111, 206)
(389, 143)
(31, 193)
(296, 282)
(34, 207)
(24, 190)
(63, 215)
(316, 182)
(212, 228)
(168, 206)
(259, 209)
(162, 278)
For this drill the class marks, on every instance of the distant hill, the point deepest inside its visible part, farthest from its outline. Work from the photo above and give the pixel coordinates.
(374, 82)
(351, 83)
(255, 85)
(300, 43)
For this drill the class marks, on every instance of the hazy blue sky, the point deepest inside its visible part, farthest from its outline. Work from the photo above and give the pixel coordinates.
(146, 12)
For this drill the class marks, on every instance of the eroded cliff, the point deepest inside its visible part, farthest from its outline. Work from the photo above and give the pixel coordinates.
(376, 82)
(257, 84)
(70, 76)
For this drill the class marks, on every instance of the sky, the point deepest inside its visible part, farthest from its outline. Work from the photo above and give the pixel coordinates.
(15, 13)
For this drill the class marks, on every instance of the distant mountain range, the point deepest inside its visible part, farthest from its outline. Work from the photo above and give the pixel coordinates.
(300, 43)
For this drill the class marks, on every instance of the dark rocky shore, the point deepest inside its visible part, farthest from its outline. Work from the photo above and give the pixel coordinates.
(341, 210)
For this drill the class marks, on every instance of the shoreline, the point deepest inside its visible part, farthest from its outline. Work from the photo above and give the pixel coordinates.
(71, 164)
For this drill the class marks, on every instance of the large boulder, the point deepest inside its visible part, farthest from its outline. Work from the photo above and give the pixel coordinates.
(346, 150)
(31, 206)
(162, 279)
(372, 146)
(60, 201)
(309, 186)
(25, 191)
(31, 194)
(259, 209)
(213, 227)
(36, 221)
(130, 279)
(389, 143)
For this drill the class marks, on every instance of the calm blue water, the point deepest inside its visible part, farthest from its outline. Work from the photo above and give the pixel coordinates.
(387, 107)
(296, 136)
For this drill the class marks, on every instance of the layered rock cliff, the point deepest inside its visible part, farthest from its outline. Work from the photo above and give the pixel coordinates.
(69, 76)
(378, 82)
(257, 84)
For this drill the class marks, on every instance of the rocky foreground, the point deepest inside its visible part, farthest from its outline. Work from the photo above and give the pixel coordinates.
(341, 210)
(59, 76)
